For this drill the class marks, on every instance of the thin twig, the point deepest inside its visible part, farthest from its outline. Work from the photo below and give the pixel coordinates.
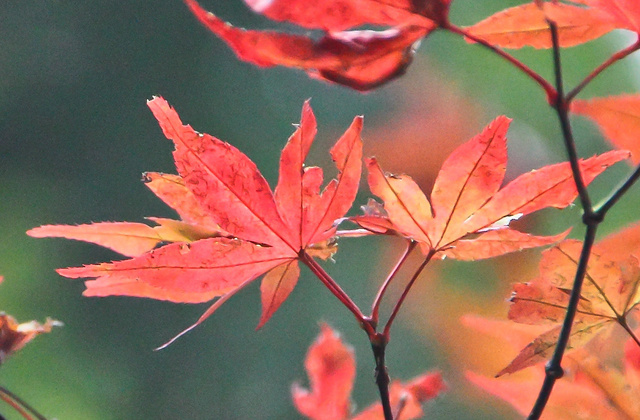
(398, 304)
(602, 67)
(375, 307)
(546, 86)
(618, 193)
(20, 405)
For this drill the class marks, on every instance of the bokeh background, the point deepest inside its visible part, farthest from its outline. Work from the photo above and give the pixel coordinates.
(75, 135)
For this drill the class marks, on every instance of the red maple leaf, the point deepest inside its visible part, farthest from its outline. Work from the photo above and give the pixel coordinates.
(331, 367)
(360, 59)
(233, 228)
(467, 216)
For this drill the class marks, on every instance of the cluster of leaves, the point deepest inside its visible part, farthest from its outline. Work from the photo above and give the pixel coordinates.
(233, 228)
(609, 297)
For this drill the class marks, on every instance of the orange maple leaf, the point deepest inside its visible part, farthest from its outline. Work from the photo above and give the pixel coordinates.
(331, 367)
(526, 25)
(618, 117)
(234, 227)
(609, 294)
(589, 389)
(467, 216)
(360, 59)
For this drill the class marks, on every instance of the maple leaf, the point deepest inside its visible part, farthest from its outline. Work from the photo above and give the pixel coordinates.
(331, 367)
(468, 214)
(588, 389)
(526, 25)
(360, 59)
(625, 14)
(234, 227)
(618, 117)
(608, 295)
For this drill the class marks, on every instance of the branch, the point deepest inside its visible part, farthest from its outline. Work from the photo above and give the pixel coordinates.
(546, 86)
(378, 345)
(553, 369)
(561, 107)
(618, 193)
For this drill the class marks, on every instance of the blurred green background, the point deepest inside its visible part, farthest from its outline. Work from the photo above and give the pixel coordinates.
(75, 135)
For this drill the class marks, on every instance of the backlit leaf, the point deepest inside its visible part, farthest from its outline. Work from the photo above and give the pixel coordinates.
(468, 214)
(526, 25)
(609, 293)
(234, 228)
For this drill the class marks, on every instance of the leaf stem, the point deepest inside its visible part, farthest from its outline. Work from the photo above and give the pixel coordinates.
(375, 307)
(602, 67)
(337, 291)
(398, 304)
(546, 86)
(20, 405)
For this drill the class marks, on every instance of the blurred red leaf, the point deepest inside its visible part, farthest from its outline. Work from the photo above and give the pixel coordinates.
(625, 14)
(526, 25)
(338, 15)
(468, 214)
(331, 369)
(220, 186)
(618, 117)
(360, 59)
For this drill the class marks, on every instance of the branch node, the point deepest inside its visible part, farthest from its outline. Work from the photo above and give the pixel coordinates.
(555, 372)
(592, 218)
